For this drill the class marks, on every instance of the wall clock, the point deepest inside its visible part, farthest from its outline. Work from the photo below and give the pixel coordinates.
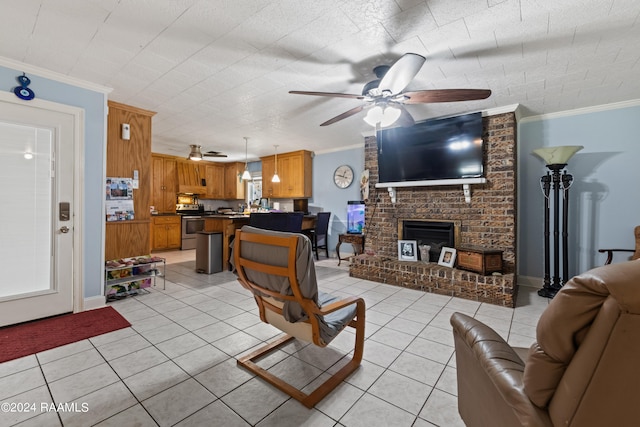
(343, 176)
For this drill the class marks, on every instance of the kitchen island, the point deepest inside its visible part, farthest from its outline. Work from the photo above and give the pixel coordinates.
(227, 225)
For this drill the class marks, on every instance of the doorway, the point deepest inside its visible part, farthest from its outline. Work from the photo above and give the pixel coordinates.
(39, 261)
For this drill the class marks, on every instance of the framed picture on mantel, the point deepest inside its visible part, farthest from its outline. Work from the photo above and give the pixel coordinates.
(447, 257)
(407, 250)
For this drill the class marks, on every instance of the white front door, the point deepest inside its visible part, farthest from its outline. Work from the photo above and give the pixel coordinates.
(37, 151)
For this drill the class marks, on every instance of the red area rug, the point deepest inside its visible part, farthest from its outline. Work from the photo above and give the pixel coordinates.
(40, 335)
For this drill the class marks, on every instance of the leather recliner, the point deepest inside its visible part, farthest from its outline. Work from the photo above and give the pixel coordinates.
(583, 370)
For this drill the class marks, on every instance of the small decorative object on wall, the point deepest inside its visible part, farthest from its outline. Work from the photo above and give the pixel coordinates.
(447, 257)
(407, 250)
(364, 185)
(22, 91)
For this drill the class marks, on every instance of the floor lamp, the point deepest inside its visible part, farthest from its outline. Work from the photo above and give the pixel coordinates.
(556, 158)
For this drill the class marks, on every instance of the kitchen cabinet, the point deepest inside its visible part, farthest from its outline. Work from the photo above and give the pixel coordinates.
(125, 158)
(233, 183)
(214, 174)
(295, 172)
(166, 232)
(190, 176)
(164, 188)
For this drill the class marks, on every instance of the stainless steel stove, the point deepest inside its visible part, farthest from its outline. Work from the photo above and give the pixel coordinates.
(192, 223)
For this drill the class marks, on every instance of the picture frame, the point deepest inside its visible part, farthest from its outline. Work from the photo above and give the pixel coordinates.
(407, 250)
(447, 257)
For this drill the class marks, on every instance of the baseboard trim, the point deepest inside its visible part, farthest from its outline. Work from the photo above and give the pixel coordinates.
(530, 281)
(92, 303)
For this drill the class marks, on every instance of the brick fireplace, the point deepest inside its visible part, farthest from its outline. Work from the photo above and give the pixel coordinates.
(489, 221)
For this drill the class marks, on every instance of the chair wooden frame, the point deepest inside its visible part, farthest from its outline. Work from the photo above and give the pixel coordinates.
(265, 301)
(636, 251)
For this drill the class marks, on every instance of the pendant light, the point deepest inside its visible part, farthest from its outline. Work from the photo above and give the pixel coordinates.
(276, 178)
(246, 175)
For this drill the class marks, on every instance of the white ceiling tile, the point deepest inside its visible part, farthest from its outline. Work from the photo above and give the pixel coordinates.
(216, 70)
(446, 12)
(410, 22)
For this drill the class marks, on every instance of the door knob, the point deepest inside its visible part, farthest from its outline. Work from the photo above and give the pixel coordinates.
(64, 229)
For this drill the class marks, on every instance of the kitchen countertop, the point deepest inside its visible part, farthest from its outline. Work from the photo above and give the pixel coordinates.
(204, 215)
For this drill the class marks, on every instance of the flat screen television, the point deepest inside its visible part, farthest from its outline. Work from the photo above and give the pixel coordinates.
(439, 149)
(355, 216)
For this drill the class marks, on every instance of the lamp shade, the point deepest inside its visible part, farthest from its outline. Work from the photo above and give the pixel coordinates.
(557, 155)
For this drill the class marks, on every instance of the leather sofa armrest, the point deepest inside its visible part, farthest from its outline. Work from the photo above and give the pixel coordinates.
(490, 372)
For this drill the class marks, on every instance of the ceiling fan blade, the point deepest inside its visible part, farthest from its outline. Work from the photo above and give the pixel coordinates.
(213, 155)
(331, 94)
(401, 73)
(344, 115)
(445, 95)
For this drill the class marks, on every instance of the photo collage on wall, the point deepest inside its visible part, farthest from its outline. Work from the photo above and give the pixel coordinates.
(119, 199)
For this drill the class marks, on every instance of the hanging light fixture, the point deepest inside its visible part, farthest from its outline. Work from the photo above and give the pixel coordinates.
(246, 175)
(276, 178)
(195, 153)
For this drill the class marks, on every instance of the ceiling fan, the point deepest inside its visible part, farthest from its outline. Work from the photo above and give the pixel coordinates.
(197, 155)
(385, 99)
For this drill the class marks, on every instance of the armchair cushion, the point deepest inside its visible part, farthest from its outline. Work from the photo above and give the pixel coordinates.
(330, 324)
(274, 255)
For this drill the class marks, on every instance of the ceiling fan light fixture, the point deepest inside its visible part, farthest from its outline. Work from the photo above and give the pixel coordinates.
(385, 117)
(391, 114)
(195, 153)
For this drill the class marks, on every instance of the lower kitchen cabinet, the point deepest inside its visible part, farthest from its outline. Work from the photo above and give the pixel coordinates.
(165, 232)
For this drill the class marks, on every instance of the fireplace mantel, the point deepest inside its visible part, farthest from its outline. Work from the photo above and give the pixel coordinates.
(465, 182)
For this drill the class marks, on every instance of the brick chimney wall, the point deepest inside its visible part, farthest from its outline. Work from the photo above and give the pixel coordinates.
(488, 221)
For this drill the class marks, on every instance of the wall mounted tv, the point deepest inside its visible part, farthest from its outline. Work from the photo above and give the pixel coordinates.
(439, 149)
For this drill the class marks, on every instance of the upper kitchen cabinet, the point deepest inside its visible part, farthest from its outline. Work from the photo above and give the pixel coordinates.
(163, 185)
(126, 157)
(191, 177)
(295, 172)
(233, 183)
(214, 174)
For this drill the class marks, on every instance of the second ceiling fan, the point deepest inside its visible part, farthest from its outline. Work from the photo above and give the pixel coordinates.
(385, 99)
(196, 154)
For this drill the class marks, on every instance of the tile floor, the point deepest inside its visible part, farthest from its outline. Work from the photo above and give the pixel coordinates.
(176, 365)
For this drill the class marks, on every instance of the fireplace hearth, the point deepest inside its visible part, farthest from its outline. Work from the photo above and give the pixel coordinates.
(434, 233)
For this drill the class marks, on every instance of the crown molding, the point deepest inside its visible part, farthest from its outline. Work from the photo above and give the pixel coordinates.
(52, 75)
(581, 111)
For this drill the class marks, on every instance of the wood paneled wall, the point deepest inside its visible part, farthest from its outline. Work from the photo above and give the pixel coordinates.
(130, 238)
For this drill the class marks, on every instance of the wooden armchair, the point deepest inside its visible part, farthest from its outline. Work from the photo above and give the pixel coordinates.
(636, 251)
(278, 268)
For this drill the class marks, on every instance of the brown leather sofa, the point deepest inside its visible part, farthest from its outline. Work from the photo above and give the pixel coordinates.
(584, 369)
